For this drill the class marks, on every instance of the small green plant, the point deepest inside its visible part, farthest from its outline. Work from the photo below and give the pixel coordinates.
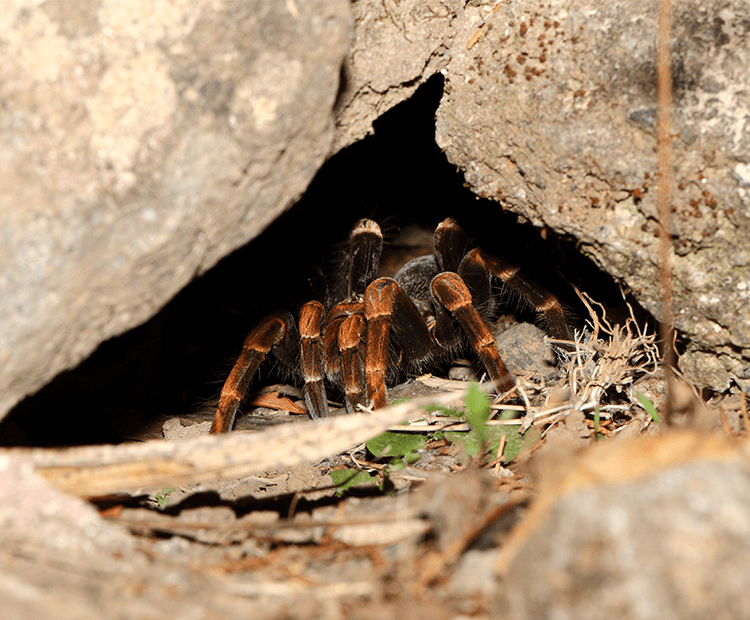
(649, 407)
(401, 448)
(478, 412)
(345, 479)
(162, 497)
(485, 437)
(597, 420)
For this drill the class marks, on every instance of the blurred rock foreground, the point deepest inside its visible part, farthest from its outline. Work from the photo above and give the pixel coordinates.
(141, 142)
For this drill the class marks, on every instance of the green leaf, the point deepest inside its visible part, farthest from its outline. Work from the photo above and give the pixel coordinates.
(477, 405)
(162, 498)
(478, 412)
(474, 442)
(345, 479)
(649, 407)
(518, 443)
(515, 442)
(397, 444)
(396, 465)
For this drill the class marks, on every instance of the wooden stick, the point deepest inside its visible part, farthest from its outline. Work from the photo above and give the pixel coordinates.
(93, 471)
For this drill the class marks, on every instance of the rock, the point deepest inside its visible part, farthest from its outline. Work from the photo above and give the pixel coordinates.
(524, 350)
(140, 146)
(396, 47)
(672, 545)
(550, 109)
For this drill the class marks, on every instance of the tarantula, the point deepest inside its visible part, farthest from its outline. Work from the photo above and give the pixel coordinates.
(431, 308)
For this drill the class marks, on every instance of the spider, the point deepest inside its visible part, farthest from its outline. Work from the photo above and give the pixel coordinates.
(432, 308)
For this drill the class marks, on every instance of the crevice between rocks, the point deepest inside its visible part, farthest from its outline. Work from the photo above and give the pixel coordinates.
(178, 359)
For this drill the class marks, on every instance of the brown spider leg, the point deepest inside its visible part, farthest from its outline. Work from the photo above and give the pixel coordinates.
(543, 301)
(478, 279)
(331, 329)
(450, 291)
(365, 248)
(331, 353)
(450, 245)
(340, 347)
(271, 331)
(311, 359)
(351, 339)
(387, 308)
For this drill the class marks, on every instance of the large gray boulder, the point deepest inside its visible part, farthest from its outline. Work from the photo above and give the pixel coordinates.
(140, 143)
(551, 109)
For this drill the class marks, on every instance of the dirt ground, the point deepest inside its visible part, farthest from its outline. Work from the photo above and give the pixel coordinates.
(440, 537)
(581, 504)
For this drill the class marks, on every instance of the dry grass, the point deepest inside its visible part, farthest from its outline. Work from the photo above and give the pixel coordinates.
(600, 372)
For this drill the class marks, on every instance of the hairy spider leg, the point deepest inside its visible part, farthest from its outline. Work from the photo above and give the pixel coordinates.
(331, 353)
(452, 293)
(311, 359)
(450, 251)
(351, 342)
(450, 244)
(365, 248)
(342, 342)
(275, 330)
(389, 309)
(345, 329)
(545, 303)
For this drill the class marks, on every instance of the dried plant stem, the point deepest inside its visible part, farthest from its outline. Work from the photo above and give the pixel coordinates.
(664, 90)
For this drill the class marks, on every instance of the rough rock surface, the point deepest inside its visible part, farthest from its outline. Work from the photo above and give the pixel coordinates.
(141, 142)
(141, 145)
(396, 47)
(551, 108)
(673, 545)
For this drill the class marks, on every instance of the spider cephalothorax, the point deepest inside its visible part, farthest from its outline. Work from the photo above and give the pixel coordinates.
(434, 306)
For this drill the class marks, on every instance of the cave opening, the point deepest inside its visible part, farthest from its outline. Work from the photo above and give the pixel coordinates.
(177, 361)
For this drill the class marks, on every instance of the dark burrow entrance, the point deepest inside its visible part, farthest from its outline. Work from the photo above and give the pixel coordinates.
(179, 359)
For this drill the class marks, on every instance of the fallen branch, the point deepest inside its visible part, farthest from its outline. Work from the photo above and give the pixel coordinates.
(93, 471)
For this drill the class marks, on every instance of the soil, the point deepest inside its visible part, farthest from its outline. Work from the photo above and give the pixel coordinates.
(432, 539)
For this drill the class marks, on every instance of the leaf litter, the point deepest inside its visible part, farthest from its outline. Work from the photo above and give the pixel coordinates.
(447, 501)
